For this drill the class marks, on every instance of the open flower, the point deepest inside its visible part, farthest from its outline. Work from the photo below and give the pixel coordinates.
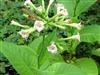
(25, 33)
(61, 10)
(27, 2)
(77, 36)
(52, 48)
(39, 25)
(77, 25)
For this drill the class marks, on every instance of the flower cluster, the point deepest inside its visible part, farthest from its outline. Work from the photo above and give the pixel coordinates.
(43, 21)
(38, 25)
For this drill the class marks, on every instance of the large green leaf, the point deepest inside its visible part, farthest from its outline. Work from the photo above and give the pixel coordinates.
(65, 69)
(23, 59)
(83, 5)
(87, 65)
(96, 52)
(69, 5)
(90, 33)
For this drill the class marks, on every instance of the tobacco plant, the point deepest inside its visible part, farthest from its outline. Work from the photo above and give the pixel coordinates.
(61, 32)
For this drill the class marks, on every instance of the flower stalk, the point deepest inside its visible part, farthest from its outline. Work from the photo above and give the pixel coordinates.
(50, 2)
(29, 4)
(43, 6)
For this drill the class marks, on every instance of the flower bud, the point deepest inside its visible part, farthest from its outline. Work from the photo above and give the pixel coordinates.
(18, 24)
(15, 23)
(77, 25)
(40, 8)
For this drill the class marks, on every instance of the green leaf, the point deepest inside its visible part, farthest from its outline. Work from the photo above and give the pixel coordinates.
(83, 5)
(65, 69)
(23, 59)
(36, 43)
(96, 52)
(90, 33)
(69, 5)
(98, 65)
(87, 65)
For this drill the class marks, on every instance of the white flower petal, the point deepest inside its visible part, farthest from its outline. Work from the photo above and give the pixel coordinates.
(77, 25)
(52, 48)
(39, 25)
(77, 36)
(25, 33)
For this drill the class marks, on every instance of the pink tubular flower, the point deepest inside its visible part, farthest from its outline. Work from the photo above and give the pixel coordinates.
(78, 25)
(52, 48)
(25, 33)
(39, 25)
(77, 37)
